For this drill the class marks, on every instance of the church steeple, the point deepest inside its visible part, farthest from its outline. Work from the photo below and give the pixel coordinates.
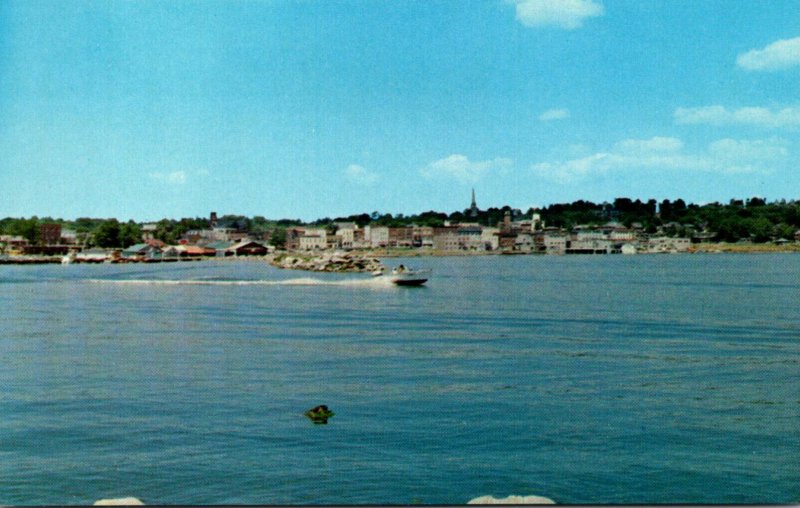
(473, 208)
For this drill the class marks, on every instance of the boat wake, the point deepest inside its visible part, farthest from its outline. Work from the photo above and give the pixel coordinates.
(373, 282)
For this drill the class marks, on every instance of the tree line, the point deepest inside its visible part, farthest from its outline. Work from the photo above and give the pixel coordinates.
(754, 219)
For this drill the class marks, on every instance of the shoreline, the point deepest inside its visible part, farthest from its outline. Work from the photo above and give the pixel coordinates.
(404, 252)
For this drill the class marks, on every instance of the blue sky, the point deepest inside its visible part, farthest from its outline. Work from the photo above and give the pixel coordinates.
(149, 109)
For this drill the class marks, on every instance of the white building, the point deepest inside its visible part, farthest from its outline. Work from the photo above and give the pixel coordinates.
(345, 234)
(667, 244)
(378, 236)
(490, 238)
(314, 239)
(554, 243)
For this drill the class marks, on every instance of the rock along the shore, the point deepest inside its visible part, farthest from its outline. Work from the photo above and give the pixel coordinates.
(328, 262)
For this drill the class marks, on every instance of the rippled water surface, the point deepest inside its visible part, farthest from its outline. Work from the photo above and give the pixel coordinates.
(586, 379)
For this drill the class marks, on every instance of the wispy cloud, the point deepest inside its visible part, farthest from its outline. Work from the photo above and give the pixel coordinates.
(554, 114)
(360, 175)
(174, 177)
(719, 115)
(779, 55)
(567, 14)
(460, 168)
(667, 154)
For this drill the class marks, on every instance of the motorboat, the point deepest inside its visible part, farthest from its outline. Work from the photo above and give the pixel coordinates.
(402, 276)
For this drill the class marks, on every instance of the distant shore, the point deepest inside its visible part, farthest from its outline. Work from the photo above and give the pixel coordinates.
(746, 247)
(397, 252)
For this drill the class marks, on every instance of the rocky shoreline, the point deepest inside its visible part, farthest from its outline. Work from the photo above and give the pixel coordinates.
(328, 262)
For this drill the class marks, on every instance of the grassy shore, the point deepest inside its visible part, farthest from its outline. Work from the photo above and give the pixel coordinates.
(746, 247)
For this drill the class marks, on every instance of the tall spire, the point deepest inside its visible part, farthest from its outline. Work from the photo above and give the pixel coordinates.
(473, 208)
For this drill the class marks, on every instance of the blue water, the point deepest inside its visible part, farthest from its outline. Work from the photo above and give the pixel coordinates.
(586, 379)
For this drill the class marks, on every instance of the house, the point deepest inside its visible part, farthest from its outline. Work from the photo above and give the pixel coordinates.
(585, 240)
(149, 231)
(247, 248)
(553, 241)
(667, 244)
(423, 236)
(378, 236)
(293, 236)
(142, 251)
(195, 251)
(12, 244)
(446, 238)
(345, 234)
(524, 242)
(469, 237)
(489, 238)
(155, 243)
(313, 239)
(220, 248)
(50, 234)
(401, 237)
(92, 256)
(69, 237)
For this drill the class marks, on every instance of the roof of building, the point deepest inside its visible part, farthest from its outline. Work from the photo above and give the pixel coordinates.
(244, 243)
(219, 245)
(139, 247)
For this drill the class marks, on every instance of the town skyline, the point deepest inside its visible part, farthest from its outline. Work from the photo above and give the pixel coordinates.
(471, 206)
(155, 109)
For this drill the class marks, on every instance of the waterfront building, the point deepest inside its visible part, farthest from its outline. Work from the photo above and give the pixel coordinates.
(345, 234)
(293, 236)
(247, 248)
(401, 237)
(524, 242)
(142, 251)
(667, 244)
(92, 256)
(489, 238)
(552, 241)
(69, 237)
(148, 231)
(446, 238)
(313, 239)
(469, 236)
(378, 236)
(50, 234)
(220, 248)
(423, 236)
(12, 244)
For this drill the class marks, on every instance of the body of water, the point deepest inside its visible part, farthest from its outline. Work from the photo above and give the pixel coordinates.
(586, 379)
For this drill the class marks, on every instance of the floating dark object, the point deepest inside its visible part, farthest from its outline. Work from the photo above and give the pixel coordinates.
(319, 414)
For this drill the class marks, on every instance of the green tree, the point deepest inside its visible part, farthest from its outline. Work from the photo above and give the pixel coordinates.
(107, 234)
(129, 234)
(278, 238)
(760, 230)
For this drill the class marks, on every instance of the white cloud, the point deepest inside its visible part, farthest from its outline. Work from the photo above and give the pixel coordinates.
(779, 55)
(653, 145)
(749, 150)
(554, 114)
(667, 154)
(360, 175)
(175, 177)
(568, 14)
(719, 115)
(460, 168)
